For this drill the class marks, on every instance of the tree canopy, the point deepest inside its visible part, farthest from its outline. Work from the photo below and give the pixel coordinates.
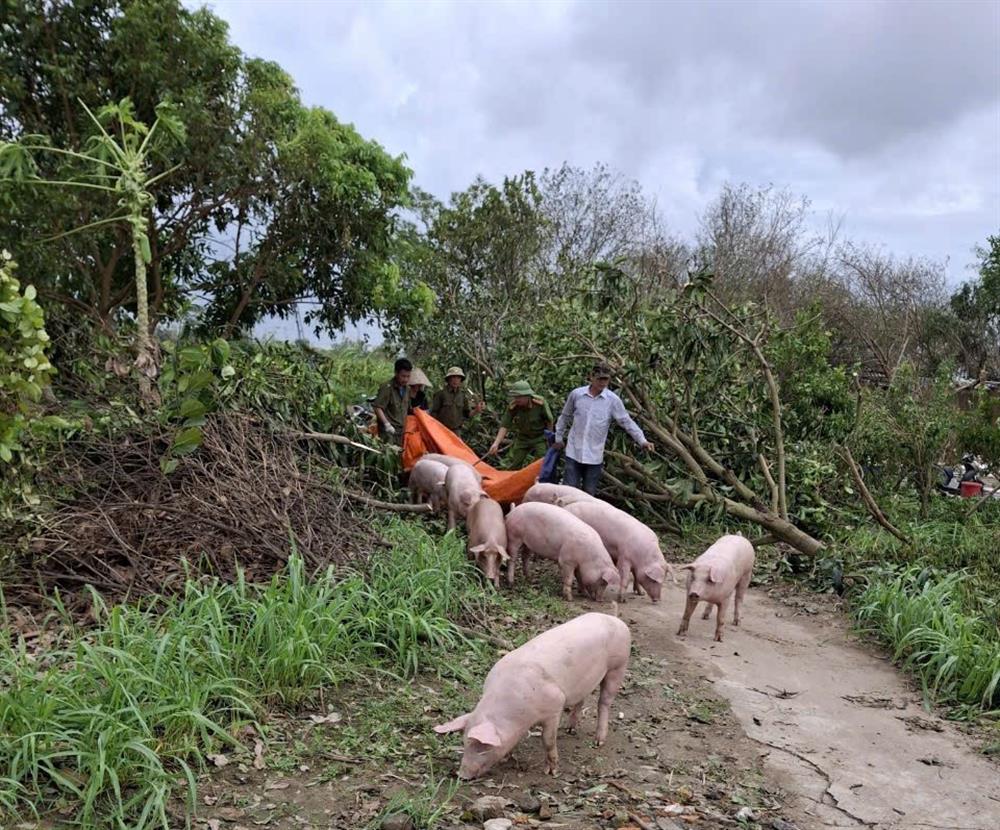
(274, 203)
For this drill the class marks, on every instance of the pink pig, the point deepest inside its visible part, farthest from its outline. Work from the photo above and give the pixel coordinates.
(488, 538)
(427, 482)
(721, 571)
(633, 546)
(463, 486)
(553, 533)
(548, 493)
(532, 685)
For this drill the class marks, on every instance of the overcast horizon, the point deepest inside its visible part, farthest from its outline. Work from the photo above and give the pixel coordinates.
(884, 113)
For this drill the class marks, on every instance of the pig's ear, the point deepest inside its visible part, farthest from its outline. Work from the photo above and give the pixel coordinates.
(716, 573)
(478, 549)
(452, 725)
(655, 572)
(486, 733)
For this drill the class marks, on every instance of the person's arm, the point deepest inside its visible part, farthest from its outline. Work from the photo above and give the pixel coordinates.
(436, 403)
(625, 421)
(547, 411)
(565, 419)
(379, 407)
(495, 446)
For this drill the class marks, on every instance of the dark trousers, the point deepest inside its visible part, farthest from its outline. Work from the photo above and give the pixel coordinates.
(582, 476)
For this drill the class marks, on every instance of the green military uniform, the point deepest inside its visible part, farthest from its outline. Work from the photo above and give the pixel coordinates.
(452, 407)
(526, 426)
(395, 403)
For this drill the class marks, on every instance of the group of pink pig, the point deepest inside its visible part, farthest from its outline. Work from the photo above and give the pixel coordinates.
(604, 548)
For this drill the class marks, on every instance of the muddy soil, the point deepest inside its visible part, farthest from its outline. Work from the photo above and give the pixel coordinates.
(786, 724)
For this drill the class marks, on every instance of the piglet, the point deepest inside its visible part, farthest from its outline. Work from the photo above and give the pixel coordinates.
(553, 533)
(487, 538)
(721, 571)
(549, 493)
(532, 685)
(463, 486)
(427, 483)
(633, 546)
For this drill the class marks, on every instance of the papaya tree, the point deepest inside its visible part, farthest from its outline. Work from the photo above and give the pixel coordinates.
(116, 162)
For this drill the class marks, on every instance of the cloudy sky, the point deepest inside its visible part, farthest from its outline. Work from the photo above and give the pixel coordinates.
(884, 113)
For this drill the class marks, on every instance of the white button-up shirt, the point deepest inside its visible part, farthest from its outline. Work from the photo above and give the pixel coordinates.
(591, 418)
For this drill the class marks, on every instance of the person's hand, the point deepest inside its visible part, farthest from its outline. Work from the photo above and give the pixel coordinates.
(559, 445)
(389, 428)
(648, 446)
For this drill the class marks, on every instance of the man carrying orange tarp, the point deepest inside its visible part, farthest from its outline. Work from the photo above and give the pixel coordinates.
(425, 434)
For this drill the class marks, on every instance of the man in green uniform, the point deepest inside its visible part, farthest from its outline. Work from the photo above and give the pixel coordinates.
(527, 418)
(452, 405)
(393, 402)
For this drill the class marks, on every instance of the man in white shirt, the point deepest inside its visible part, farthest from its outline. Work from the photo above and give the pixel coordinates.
(591, 409)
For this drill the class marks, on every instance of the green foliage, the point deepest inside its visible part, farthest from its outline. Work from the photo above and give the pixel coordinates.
(273, 202)
(976, 309)
(919, 613)
(115, 720)
(425, 807)
(979, 432)
(24, 368)
(905, 431)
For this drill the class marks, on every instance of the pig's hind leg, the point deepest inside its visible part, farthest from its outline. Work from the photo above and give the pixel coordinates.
(741, 589)
(610, 685)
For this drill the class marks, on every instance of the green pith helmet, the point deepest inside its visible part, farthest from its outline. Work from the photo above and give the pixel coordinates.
(521, 389)
(454, 371)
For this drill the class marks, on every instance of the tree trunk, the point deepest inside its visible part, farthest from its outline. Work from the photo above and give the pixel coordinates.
(145, 358)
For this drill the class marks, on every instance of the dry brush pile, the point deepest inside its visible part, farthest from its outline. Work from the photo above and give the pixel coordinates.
(246, 498)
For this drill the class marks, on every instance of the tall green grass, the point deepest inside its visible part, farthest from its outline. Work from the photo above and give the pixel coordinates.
(116, 719)
(923, 618)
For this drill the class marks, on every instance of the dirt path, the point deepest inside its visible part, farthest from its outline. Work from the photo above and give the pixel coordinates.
(840, 727)
(788, 718)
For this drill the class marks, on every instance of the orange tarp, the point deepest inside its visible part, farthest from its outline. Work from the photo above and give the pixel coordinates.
(424, 433)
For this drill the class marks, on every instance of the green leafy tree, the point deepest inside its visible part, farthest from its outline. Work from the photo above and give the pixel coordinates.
(275, 203)
(976, 306)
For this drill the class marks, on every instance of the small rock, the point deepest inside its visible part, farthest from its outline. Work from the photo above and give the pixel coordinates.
(545, 812)
(528, 803)
(667, 824)
(745, 814)
(397, 821)
(781, 824)
(498, 824)
(487, 807)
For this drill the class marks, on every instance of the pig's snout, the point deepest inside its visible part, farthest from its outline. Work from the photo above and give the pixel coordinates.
(694, 595)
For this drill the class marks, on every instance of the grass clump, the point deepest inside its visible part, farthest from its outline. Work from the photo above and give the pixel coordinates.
(923, 618)
(113, 720)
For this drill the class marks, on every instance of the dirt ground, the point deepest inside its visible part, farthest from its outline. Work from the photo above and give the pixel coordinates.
(787, 724)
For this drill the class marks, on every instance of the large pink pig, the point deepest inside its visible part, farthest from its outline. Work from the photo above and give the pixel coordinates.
(487, 538)
(633, 546)
(554, 533)
(721, 572)
(427, 482)
(463, 486)
(548, 493)
(532, 685)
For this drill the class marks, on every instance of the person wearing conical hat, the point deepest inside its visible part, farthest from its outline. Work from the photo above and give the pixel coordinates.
(453, 405)
(526, 419)
(418, 389)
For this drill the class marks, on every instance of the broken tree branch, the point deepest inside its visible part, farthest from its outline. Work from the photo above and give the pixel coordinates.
(868, 499)
(396, 507)
(330, 438)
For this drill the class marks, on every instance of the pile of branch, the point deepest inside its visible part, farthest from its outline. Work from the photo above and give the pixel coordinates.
(241, 500)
